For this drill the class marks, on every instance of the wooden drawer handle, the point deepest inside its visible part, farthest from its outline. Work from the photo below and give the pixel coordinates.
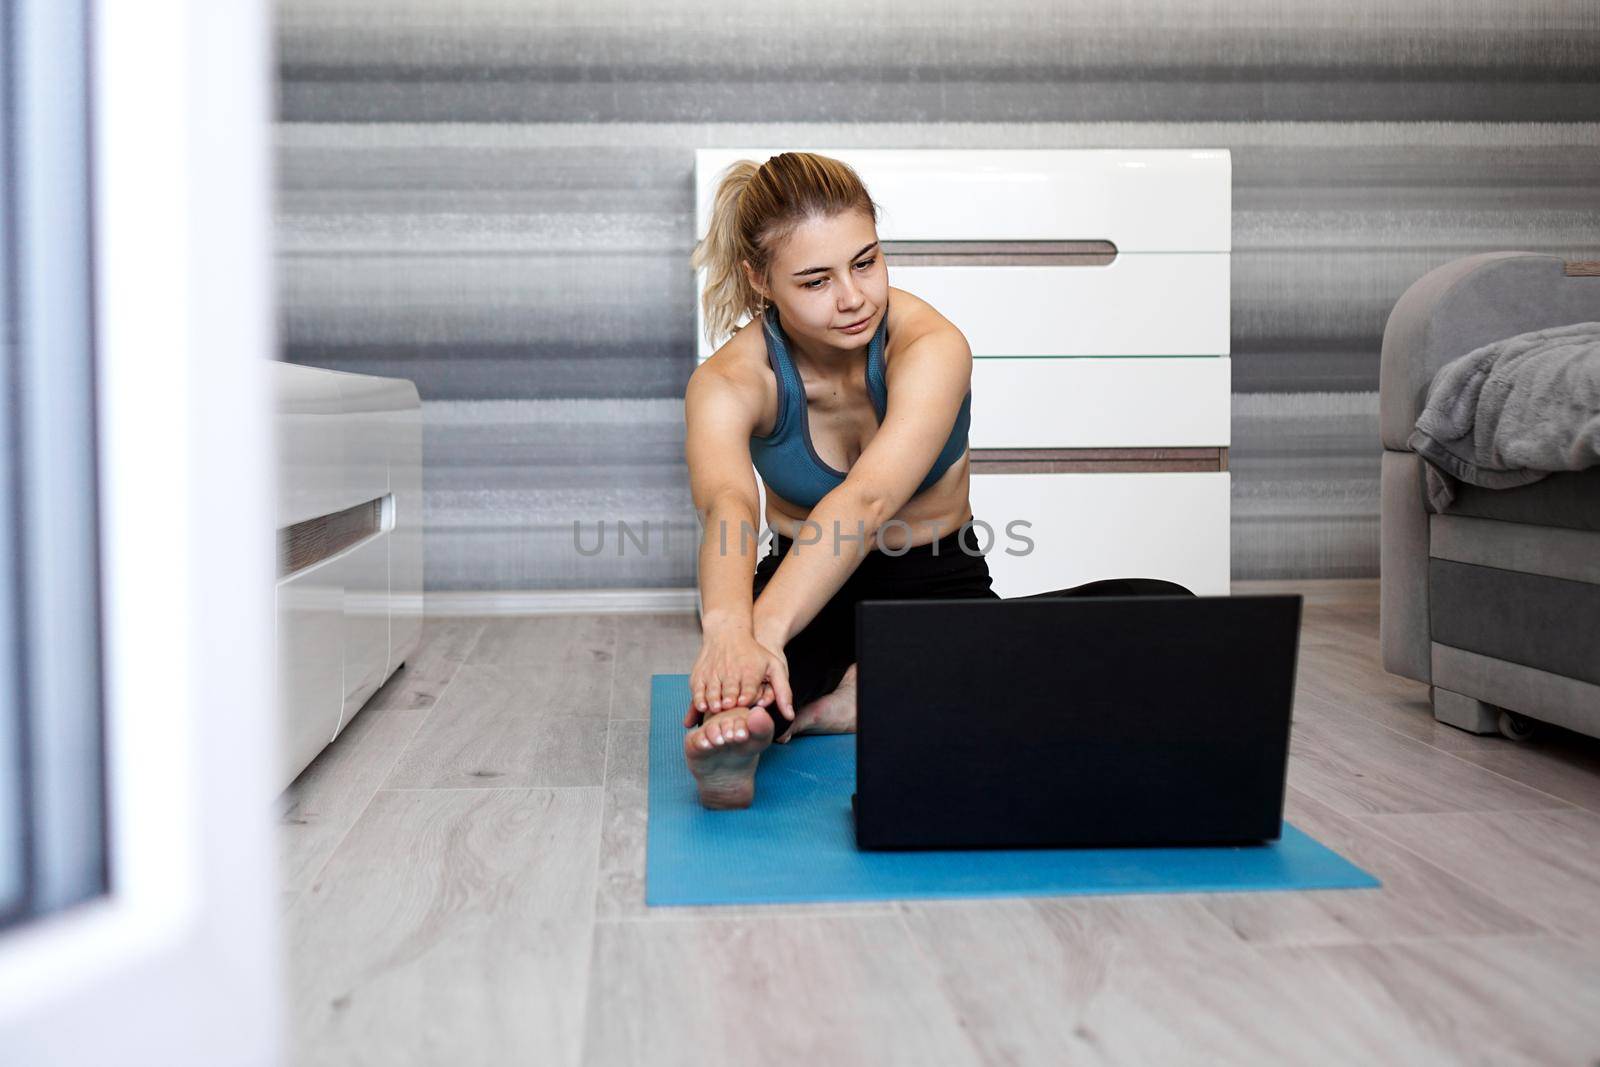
(1000, 253)
(314, 540)
(1092, 460)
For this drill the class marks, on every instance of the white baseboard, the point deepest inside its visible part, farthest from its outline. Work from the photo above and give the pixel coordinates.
(562, 602)
(687, 599)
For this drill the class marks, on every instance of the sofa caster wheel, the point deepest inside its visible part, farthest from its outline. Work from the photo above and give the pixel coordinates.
(1517, 727)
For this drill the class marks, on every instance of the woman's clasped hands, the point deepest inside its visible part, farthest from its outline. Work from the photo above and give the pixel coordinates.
(735, 670)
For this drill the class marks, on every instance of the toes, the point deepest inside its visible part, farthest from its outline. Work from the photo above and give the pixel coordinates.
(735, 728)
(759, 724)
(724, 729)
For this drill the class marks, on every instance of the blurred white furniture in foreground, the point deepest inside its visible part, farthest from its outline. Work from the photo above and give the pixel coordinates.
(1093, 288)
(349, 593)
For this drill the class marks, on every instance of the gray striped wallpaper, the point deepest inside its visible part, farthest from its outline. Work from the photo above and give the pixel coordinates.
(495, 201)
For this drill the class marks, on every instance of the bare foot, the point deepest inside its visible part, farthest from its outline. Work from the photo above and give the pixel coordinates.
(834, 713)
(722, 753)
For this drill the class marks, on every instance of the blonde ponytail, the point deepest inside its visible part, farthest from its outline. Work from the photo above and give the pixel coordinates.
(755, 209)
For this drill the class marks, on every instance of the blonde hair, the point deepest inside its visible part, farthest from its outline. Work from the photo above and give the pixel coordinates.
(754, 211)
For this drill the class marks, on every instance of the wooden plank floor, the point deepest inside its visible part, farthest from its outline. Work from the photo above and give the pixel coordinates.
(463, 884)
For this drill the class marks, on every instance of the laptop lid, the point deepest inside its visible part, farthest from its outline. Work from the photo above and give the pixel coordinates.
(1059, 721)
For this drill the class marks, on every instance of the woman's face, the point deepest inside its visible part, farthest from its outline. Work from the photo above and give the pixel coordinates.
(830, 273)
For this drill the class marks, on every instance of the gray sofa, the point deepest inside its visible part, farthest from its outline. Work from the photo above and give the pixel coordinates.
(1495, 602)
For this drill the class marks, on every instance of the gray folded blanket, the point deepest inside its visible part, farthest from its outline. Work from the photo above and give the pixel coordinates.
(1512, 411)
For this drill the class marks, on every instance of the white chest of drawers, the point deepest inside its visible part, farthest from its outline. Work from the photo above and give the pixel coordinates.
(1093, 288)
(349, 592)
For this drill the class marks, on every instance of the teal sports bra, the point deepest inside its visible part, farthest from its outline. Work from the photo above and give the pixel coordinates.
(786, 458)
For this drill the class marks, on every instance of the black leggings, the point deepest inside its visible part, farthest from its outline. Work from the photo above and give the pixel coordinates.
(953, 566)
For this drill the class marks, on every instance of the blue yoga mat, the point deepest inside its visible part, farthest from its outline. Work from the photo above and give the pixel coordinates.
(796, 843)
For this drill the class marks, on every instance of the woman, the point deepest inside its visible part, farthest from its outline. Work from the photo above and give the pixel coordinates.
(851, 399)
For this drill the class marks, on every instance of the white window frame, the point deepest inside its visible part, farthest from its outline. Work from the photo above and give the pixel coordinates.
(179, 963)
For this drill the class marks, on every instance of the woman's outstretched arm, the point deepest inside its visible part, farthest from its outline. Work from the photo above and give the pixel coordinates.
(720, 414)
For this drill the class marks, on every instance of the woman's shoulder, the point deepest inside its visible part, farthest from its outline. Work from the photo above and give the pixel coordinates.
(741, 357)
(739, 370)
(912, 318)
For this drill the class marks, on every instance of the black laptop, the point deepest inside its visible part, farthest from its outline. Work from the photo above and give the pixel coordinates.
(1073, 721)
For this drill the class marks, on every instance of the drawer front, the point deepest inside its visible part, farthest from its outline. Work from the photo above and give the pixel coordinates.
(310, 664)
(1137, 305)
(309, 436)
(1101, 403)
(1143, 199)
(1085, 527)
(364, 571)
(335, 433)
